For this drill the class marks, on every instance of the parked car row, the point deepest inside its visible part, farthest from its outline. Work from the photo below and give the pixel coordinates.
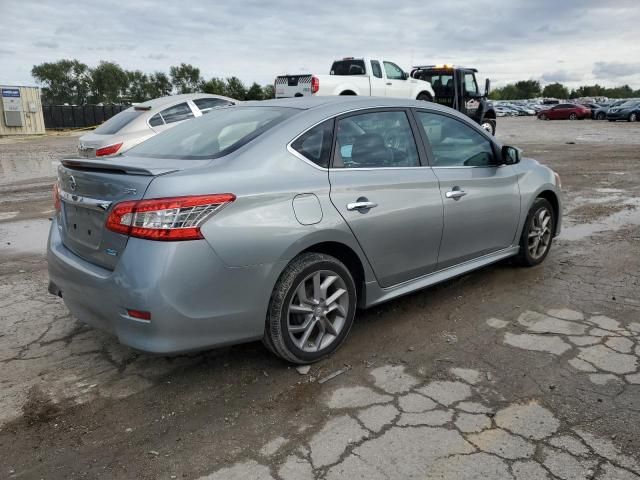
(628, 110)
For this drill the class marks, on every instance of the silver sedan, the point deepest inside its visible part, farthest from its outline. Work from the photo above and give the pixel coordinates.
(144, 120)
(275, 220)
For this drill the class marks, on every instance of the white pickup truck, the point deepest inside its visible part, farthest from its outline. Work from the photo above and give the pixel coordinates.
(356, 76)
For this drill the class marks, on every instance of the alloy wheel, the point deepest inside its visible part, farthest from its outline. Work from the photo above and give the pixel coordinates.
(317, 311)
(539, 233)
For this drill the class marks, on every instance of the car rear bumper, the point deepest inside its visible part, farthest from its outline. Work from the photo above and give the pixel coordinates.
(195, 301)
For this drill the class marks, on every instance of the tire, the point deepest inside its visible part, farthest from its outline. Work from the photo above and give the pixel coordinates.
(489, 125)
(320, 318)
(543, 117)
(573, 116)
(530, 253)
(633, 117)
(424, 97)
(601, 116)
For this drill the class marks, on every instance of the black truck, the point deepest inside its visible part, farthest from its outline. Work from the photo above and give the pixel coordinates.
(456, 87)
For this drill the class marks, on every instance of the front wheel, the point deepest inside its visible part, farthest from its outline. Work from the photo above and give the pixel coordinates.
(312, 309)
(489, 125)
(543, 117)
(633, 117)
(601, 116)
(573, 116)
(537, 234)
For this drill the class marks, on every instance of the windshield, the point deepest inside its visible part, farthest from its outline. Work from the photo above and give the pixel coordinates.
(348, 67)
(213, 135)
(117, 122)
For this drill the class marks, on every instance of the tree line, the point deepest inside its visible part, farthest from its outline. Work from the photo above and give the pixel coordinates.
(75, 83)
(531, 89)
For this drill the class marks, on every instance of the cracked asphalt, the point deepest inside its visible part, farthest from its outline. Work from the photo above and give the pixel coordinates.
(503, 373)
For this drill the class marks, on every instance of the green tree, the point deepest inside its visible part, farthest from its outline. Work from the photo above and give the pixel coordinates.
(215, 86)
(268, 91)
(138, 87)
(64, 81)
(186, 78)
(159, 85)
(236, 89)
(255, 92)
(528, 89)
(109, 83)
(555, 90)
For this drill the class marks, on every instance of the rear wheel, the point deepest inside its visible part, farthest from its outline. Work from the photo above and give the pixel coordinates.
(573, 116)
(633, 117)
(425, 97)
(543, 117)
(537, 234)
(489, 125)
(311, 310)
(601, 116)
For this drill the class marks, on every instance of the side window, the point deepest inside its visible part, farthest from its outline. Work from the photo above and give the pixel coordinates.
(393, 71)
(156, 120)
(455, 144)
(179, 112)
(315, 145)
(375, 140)
(470, 85)
(375, 68)
(206, 104)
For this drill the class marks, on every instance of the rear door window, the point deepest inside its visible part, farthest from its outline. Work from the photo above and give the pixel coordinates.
(206, 104)
(375, 140)
(315, 145)
(177, 113)
(117, 122)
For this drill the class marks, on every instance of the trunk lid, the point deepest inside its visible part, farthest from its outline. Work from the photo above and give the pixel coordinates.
(289, 86)
(89, 189)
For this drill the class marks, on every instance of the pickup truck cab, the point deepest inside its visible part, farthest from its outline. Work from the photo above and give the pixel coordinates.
(356, 76)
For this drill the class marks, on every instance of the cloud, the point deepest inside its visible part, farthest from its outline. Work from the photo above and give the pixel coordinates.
(506, 40)
(46, 44)
(615, 69)
(561, 76)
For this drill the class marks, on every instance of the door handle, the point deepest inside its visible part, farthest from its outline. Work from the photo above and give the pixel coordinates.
(389, 83)
(455, 194)
(361, 205)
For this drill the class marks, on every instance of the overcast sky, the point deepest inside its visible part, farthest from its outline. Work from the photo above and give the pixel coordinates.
(572, 41)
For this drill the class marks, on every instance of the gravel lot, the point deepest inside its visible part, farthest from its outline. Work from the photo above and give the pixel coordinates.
(504, 373)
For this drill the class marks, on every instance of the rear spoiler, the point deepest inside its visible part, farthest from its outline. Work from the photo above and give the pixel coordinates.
(114, 167)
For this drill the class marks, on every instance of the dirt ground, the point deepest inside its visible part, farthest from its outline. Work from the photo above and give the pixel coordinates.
(503, 373)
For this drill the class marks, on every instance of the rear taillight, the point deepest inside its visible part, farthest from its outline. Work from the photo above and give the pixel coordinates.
(56, 197)
(110, 150)
(177, 218)
(315, 84)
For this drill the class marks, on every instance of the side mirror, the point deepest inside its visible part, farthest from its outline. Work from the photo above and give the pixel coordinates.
(487, 87)
(405, 75)
(510, 155)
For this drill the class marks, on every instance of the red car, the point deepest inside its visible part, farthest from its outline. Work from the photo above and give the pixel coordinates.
(565, 111)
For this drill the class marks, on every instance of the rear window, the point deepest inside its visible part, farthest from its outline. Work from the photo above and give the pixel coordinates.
(213, 135)
(348, 67)
(117, 122)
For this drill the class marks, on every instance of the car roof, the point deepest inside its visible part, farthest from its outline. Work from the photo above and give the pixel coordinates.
(172, 99)
(342, 102)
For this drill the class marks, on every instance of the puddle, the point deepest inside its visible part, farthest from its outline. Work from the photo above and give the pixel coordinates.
(613, 222)
(26, 236)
